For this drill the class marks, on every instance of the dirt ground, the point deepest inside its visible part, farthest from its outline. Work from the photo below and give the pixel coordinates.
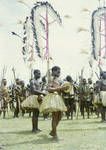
(81, 134)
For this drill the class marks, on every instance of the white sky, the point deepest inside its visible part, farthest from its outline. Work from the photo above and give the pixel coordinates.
(65, 42)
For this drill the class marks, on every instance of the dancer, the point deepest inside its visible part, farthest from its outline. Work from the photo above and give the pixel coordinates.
(34, 100)
(53, 101)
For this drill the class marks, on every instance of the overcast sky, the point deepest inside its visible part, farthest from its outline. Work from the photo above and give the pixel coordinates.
(66, 42)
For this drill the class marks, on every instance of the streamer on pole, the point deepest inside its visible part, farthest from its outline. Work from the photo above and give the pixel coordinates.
(99, 35)
(43, 15)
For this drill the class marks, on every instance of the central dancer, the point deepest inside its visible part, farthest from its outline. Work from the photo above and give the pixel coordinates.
(53, 102)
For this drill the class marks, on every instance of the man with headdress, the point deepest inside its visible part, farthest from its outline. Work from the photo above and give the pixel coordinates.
(91, 94)
(34, 100)
(35, 90)
(23, 95)
(96, 98)
(4, 93)
(44, 89)
(53, 102)
(83, 96)
(68, 96)
(17, 97)
(102, 87)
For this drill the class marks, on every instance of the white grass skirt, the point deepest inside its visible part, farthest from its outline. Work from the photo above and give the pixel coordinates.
(96, 99)
(103, 97)
(52, 102)
(30, 102)
(0, 105)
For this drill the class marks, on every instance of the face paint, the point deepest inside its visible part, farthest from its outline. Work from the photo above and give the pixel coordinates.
(37, 74)
(4, 81)
(56, 73)
(84, 81)
(90, 81)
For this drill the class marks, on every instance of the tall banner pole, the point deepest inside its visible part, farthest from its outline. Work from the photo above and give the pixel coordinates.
(47, 45)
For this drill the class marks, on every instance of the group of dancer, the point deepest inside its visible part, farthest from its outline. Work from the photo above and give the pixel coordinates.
(49, 102)
(55, 97)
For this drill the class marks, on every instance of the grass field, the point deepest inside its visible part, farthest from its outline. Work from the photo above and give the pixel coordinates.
(88, 134)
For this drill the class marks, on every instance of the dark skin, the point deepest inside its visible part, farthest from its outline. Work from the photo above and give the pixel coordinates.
(37, 76)
(4, 94)
(4, 82)
(35, 113)
(56, 74)
(56, 116)
(59, 89)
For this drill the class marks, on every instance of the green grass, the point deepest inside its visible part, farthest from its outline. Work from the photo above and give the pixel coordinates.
(15, 134)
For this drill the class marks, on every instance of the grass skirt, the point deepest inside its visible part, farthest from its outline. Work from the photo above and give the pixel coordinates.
(103, 97)
(52, 102)
(96, 99)
(30, 102)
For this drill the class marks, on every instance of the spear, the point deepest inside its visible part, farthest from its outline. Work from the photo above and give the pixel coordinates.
(3, 73)
(14, 74)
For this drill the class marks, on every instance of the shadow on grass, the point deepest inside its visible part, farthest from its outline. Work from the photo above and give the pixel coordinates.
(25, 132)
(43, 139)
(84, 121)
(83, 129)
